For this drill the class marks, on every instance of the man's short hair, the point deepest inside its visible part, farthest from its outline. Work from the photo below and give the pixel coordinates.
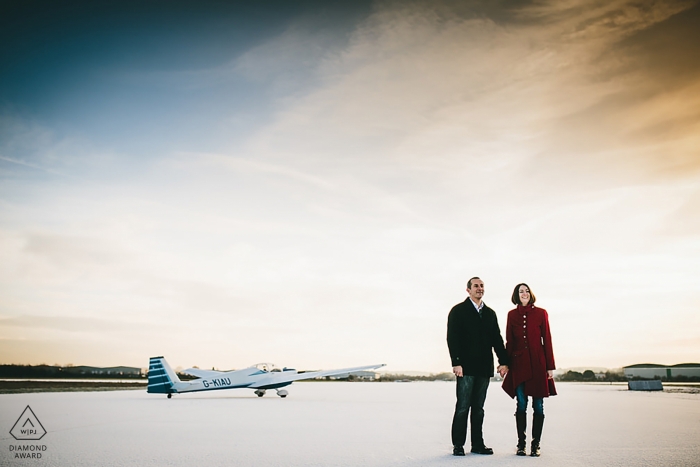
(469, 283)
(515, 298)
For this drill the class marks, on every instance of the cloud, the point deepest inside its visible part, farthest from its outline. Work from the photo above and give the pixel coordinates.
(414, 89)
(665, 51)
(61, 250)
(682, 218)
(251, 166)
(26, 144)
(66, 323)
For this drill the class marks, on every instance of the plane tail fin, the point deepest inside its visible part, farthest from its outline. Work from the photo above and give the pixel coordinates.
(161, 378)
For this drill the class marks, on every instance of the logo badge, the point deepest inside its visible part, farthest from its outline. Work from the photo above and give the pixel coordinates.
(27, 427)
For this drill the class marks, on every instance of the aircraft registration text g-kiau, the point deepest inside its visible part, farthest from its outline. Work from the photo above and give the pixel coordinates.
(261, 377)
(217, 383)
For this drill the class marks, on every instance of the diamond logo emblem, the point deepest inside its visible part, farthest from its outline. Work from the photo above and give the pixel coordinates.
(27, 427)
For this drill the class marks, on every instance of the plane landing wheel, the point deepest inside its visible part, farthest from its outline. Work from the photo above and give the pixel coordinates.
(170, 396)
(282, 393)
(260, 392)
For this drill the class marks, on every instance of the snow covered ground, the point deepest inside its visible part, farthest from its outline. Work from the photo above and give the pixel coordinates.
(350, 424)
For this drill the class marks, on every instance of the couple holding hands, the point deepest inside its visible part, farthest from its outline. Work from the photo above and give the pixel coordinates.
(526, 361)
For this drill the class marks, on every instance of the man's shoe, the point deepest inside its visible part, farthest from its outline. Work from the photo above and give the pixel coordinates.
(458, 451)
(482, 450)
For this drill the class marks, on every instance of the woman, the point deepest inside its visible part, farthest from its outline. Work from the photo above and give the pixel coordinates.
(529, 346)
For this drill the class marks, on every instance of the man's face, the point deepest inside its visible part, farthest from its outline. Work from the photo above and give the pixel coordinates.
(477, 289)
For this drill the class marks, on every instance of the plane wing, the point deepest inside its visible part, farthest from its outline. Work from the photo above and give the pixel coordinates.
(202, 373)
(288, 377)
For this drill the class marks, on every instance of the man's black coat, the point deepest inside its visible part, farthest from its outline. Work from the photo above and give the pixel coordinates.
(471, 337)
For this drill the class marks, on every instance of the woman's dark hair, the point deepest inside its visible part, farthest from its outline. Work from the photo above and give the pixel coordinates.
(516, 295)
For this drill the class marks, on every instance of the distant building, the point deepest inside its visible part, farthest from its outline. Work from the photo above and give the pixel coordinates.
(652, 370)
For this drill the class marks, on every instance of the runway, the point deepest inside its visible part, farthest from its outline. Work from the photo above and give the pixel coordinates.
(349, 424)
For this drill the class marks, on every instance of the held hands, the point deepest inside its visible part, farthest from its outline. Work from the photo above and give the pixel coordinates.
(502, 370)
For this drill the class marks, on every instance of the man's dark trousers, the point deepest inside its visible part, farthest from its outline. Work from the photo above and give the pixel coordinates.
(471, 394)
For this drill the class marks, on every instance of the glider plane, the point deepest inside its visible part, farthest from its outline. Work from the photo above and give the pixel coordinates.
(261, 377)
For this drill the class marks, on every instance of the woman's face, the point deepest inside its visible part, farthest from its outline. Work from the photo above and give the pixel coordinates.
(524, 294)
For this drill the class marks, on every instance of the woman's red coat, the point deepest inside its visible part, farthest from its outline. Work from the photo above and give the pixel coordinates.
(529, 347)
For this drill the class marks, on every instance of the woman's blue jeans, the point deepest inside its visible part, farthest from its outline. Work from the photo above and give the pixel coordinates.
(537, 402)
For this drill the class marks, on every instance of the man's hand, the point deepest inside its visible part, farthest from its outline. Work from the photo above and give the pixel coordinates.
(503, 370)
(457, 370)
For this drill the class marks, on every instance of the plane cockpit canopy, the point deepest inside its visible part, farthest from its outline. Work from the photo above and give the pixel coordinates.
(271, 367)
(267, 367)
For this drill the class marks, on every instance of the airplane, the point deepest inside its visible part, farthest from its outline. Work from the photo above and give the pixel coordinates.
(261, 377)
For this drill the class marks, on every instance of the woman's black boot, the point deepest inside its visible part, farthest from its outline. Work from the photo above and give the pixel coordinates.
(537, 422)
(521, 425)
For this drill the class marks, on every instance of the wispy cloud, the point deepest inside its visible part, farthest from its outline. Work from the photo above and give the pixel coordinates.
(28, 164)
(421, 88)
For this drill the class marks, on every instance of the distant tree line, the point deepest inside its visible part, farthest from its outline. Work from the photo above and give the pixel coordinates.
(431, 377)
(84, 372)
(589, 375)
(614, 376)
(55, 371)
(185, 376)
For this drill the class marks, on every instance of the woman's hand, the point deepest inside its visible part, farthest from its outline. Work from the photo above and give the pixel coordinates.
(550, 374)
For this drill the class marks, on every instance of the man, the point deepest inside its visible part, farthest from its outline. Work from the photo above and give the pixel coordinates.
(472, 335)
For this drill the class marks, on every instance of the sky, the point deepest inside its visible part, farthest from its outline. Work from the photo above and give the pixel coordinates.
(313, 183)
